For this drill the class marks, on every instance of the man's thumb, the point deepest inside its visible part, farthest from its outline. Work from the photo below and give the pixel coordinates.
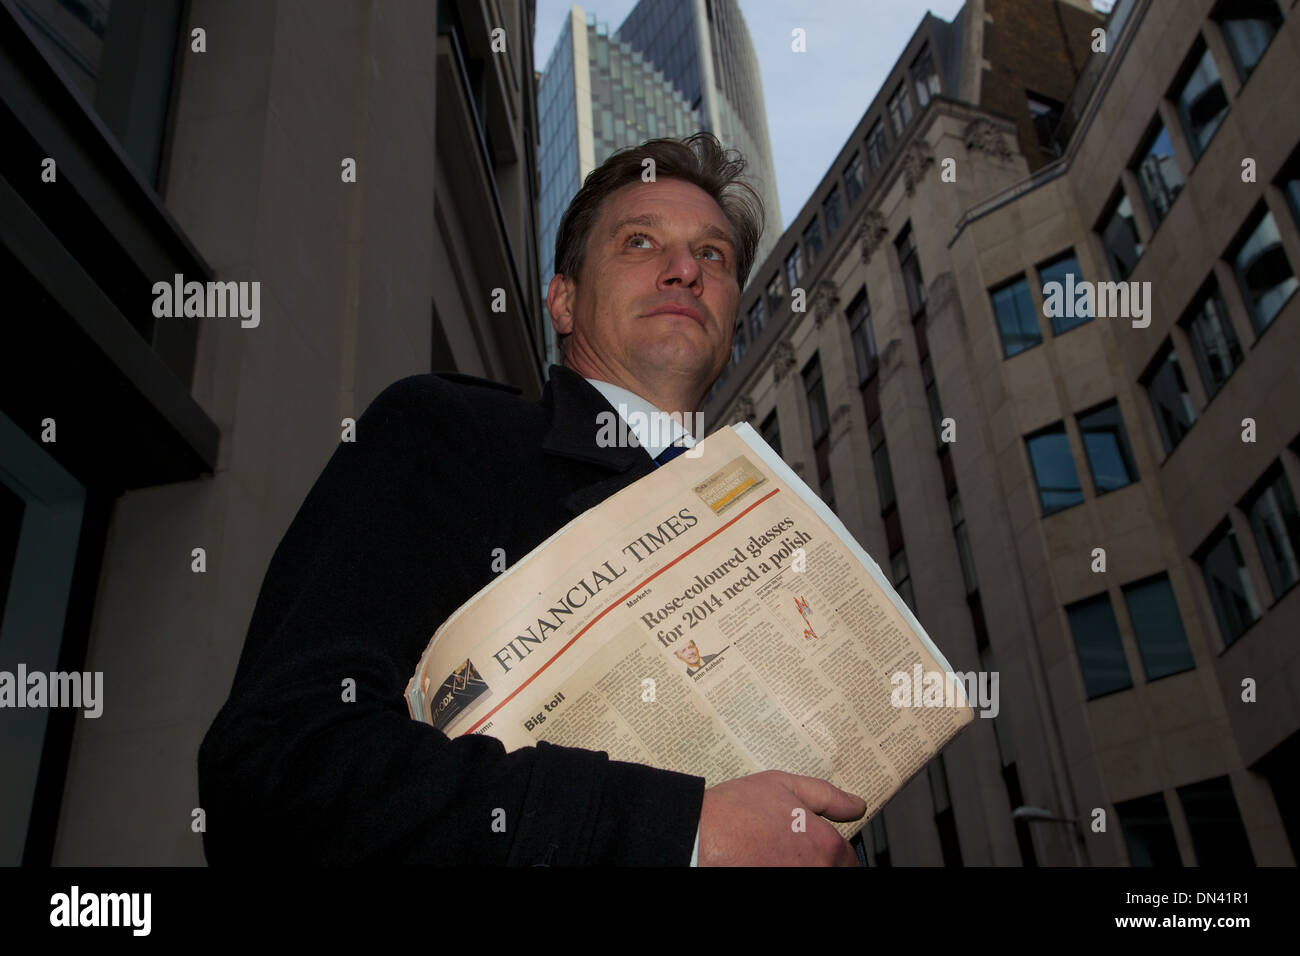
(824, 798)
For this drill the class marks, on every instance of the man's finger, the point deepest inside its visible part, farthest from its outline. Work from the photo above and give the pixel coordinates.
(845, 855)
(824, 798)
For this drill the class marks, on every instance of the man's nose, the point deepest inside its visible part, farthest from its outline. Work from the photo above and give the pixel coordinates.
(680, 266)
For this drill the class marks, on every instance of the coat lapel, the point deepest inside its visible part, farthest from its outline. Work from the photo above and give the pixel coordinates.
(575, 421)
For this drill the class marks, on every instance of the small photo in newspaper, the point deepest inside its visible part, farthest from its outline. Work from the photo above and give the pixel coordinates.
(696, 658)
(463, 690)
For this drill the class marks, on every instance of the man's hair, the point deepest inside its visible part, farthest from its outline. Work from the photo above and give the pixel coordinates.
(698, 159)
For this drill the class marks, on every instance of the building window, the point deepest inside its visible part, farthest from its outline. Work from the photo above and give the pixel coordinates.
(1148, 834)
(1058, 481)
(1011, 779)
(1263, 272)
(794, 267)
(812, 241)
(1278, 768)
(900, 110)
(1017, 322)
(976, 609)
(775, 293)
(1098, 644)
(119, 57)
(1248, 28)
(925, 79)
(833, 208)
(818, 419)
(880, 461)
(1158, 627)
(1065, 271)
(879, 840)
(819, 426)
(864, 340)
(738, 345)
(1289, 183)
(902, 577)
(932, 397)
(1003, 739)
(1107, 448)
(1214, 343)
(45, 516)
(943, 815)
(855, 181)
(1158, 174)
(756, 319)
(827, 492)
(771, 433)
(1046, 114)
(1119, 237)
(1228, 582)
(71, 35)
(876, 146)
(1201, 100)
(910, 263)
(1215, 823)
(963, 543)
(1276, 526)
(1169, 399)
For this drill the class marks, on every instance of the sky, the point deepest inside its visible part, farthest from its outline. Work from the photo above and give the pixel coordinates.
(813, 99)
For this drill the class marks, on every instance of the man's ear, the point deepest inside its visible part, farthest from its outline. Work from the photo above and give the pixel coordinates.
(559, 302)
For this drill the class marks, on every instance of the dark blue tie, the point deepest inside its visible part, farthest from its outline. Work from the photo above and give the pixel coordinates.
(669, 453)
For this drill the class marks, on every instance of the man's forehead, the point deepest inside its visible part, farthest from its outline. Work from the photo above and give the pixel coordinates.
(658, 204)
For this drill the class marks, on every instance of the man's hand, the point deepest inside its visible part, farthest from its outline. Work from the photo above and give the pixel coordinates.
(749, 822)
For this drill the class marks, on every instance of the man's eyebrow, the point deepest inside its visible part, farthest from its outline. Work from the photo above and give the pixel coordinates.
(652, 221)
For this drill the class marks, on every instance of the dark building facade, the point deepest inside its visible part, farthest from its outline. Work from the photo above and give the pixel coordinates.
(364, 175)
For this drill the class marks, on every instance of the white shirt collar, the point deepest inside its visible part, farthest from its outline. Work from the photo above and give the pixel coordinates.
(653, 428)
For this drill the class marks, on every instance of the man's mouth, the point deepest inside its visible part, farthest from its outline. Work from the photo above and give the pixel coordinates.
(685, 311)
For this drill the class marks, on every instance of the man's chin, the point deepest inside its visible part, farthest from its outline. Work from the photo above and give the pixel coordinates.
(679, 358)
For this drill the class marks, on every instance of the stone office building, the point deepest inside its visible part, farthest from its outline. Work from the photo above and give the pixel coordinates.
(1101, 509)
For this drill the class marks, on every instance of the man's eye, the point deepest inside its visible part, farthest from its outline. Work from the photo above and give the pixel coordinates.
(717, 252)
(638, 235)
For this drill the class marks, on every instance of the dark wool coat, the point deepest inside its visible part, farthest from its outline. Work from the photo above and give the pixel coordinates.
(395, 535)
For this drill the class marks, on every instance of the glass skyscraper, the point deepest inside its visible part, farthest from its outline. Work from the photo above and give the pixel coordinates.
(704, 49)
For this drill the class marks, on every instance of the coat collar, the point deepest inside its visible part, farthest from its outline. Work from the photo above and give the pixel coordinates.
(575, 405)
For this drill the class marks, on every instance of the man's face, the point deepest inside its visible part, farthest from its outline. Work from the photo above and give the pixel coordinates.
(690, 654)
(655, 247)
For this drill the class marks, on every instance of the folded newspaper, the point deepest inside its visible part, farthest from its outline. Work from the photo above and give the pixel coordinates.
(714, 618)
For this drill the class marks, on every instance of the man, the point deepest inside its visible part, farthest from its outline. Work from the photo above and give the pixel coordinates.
(690, 656)
(314, 757)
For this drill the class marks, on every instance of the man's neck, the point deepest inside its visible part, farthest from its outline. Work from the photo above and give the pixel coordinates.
(676, 396)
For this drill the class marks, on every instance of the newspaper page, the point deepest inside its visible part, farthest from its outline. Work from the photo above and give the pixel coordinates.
(713, 618)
